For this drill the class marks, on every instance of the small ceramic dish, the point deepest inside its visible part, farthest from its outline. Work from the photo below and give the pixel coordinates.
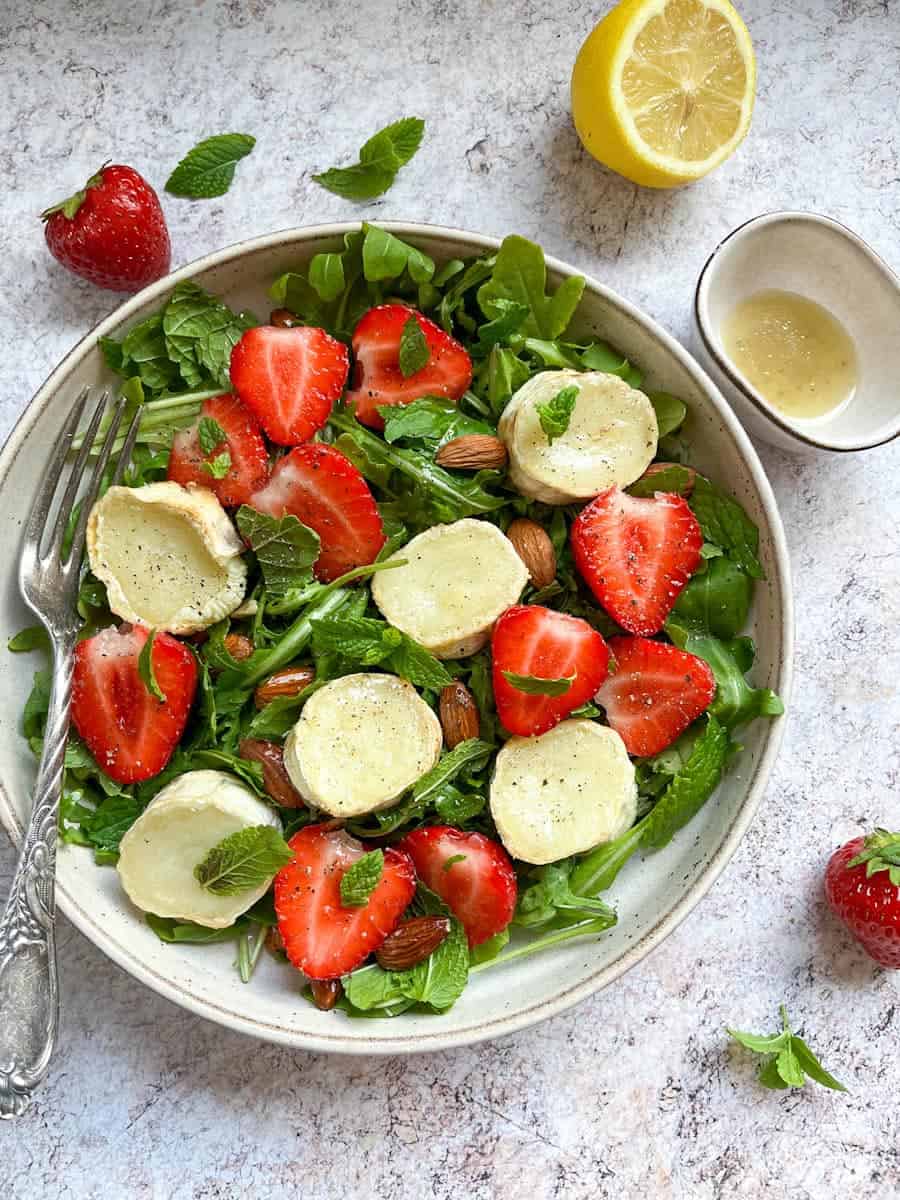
(824, 261)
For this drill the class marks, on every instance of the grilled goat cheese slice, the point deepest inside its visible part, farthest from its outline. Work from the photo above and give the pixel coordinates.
(175, 832)
(169, 556)
(564, 792)
(458, 579)
(611, 437)
(361, 741)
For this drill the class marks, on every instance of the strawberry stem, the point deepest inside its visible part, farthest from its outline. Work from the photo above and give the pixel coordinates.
(70, 206)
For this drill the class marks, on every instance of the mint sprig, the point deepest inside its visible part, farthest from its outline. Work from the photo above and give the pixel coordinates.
(361, 879)
(380, 158)
(208, 169)
(219, 466)
(210, 434)
(414, 352)
(556, 413)
(243, 860)
(788, 1061)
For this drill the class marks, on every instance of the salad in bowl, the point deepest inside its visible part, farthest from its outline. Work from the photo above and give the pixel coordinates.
(409, 625)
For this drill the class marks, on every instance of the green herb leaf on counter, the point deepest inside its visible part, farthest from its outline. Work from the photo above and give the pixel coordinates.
(208, 169)
(725, 524)
(520, 275)
(788, 1059)
(414, 352)
(535, 685)
(219, 466)
(556, 414)
(285, 548)
(380, 158)
(361, 879)
(243, 860)
(210, 434)
(145, 668)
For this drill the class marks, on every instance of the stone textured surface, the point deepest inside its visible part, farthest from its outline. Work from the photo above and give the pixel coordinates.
(636, 1091)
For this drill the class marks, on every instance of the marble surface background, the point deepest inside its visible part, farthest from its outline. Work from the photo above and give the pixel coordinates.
(636, 1091)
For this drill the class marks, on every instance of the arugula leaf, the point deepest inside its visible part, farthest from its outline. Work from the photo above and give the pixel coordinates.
(326, 275)
(670, 412)
(673, 478)
(881, 852)
(414, 352)
(456, 807)
(208, 169)
(510, 316)
(505, 375)
(145, 669)
(788, 1060)
(735, 702)
(361, 879)
(243, 860)
(285, 548)
(718, 601)
(520, 275)
(725, 524)
(488, 950)
(219, 466)
(143, 353)
(386, 257)
(541, 901)
(380, 158)
(556, 414)
(105, 826)
(171, 929)
(431, 420)
(210, 434)
(535, 685)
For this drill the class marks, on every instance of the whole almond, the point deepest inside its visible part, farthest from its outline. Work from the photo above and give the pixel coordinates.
(532, 544)
(658, 468)
(238, 646)
(460, 719)
(411, 942)
(473, 452)
(276, 780)
(274, 941)
(326, 993)
(290, 681)
(284, 318)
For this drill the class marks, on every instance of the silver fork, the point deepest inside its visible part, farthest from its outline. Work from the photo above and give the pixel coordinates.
(49, 579)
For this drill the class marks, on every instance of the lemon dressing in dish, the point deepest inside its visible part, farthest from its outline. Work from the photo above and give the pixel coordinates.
(793, 352)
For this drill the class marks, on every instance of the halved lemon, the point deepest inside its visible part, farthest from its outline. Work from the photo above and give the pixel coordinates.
(662, 90)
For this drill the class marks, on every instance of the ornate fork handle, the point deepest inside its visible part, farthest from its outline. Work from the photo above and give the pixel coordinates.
(29, 1001)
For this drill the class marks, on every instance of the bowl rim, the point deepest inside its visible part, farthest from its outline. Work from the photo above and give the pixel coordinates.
(704, 325)
(382, 1042)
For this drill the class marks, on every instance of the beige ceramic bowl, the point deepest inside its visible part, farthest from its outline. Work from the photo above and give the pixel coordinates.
(651, 896)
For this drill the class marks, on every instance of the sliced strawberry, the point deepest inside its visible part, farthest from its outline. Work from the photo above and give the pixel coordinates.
(377, 378)
(243, 443)
(536, 641)
(322, 938)
(289, 378)
(636, 555)
(325, 491)
(129, 732)
(479, 887)
(654, 693)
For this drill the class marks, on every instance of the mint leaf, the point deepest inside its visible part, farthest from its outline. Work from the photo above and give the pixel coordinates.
(380, 158)
(219, 466)
(361, 879)
(456, 807)
(243, 860)
(556, 414)
(441, 978)
(534, 685)
(670, 412)
(109, 821)
(450, 765)
(210, 434)
(145, 669)
(880, 853)
(520, 275)
(690, 788)
(725, 524)
(788, 1059)
(414, 352)
(419, 666)
(208, 169)
(200, 332)
(171, 929)
(452, 861)
(285, 548)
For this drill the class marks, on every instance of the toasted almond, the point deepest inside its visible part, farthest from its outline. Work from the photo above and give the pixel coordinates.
(473, 452)
(658, 467)
(532, 544)
(238, 646)
(275, 942)
(289, 681)
(411, 942)
(283, 317)
(460, 719)
(326, 993)
(276, 780)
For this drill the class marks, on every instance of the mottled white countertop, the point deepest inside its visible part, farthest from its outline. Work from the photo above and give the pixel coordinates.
(145, 1100)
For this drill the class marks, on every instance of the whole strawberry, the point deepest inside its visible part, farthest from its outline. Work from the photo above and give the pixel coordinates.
(113, 232)
(862, 886)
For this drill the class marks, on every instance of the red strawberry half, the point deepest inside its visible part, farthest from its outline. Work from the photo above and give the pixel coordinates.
(862, 886)
(129, 732)
(536, 641)
(243, 443)
(654, 693)
(289, 378)
(322, 938)
(325, 491)
(472, 875)
(377, 378)
(113, 232)
(636, 555)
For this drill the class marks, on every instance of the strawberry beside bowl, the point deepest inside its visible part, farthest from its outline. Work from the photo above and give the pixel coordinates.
(651, 896)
